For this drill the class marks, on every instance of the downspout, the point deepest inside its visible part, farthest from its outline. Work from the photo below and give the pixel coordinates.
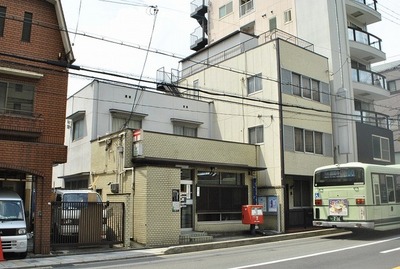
(280, 127)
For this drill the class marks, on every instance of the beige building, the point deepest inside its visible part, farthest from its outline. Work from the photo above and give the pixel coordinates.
(274, 100)
(171, 184)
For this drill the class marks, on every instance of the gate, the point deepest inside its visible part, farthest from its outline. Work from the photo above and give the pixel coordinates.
(86, 224)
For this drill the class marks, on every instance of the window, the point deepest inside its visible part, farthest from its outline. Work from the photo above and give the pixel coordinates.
(380, 146)
(225, 10)
(256, 135)
(16, 98)
(246, 6)
(185, 130)
(2, 19)
(391, 84)
(27, 27)
(254, 83)
(306, 84)
(78, 129)
(306, 87)
(221, 196)
(118, 123)
(298, 139)
(308, 141)
(315, 90)
(288, 16)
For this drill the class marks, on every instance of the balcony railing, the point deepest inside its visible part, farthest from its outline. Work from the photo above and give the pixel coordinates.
(373, 118)
(364, 38)
(195, 4)
(369, 3)
(368, 77)
(246, 7)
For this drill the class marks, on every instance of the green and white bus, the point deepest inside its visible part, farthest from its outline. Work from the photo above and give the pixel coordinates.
(357, 195)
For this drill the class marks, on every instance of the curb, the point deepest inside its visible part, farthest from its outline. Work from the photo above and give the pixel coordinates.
(251, 241)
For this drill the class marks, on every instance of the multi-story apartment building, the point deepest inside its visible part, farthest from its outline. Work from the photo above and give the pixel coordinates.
(34, 55)
(390, 106)
(309, 65)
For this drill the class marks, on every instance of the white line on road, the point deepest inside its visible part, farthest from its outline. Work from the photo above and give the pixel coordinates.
(389, 250)
(315, 254)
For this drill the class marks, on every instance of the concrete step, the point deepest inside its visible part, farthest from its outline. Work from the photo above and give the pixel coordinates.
(195, 237)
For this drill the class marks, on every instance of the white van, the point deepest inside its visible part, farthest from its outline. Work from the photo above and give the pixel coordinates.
(13, 234)
(68, 215)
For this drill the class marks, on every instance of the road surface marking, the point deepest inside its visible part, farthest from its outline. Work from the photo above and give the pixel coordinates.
(315, 254)
(390, 250)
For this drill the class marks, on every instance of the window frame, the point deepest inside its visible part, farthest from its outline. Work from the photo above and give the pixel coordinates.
(382, 151)
(27, 27)
(256, 135)
(287, 14)
(227, 8)
(14, 94)
(306, 141)
(3, 12)
(254, 83)
(78, 128)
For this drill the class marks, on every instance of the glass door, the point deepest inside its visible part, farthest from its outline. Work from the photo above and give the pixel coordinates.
(186, 200)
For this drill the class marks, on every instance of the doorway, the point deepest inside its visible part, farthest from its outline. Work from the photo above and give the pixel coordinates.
(186, 200)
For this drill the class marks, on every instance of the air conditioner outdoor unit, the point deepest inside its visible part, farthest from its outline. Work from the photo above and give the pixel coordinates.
(114, 187)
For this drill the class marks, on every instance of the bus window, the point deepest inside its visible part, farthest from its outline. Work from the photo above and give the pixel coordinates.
(383, 187)
(339, 176)
(397, 189)
(390, 188)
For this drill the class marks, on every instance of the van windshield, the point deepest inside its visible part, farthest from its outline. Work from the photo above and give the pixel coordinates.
(11, 210)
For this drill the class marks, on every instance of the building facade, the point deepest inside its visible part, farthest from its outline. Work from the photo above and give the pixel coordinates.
(390, 106)
(35, 54)
(103, 107)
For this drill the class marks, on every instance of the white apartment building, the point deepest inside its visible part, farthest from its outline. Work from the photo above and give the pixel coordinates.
(296, 78)
(101, 108)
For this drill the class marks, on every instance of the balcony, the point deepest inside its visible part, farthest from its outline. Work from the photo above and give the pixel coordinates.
(198, 8)
(373, 118)
(246, 7)
(369, 84)
(364, 11)
(365, 46)
(198, 39)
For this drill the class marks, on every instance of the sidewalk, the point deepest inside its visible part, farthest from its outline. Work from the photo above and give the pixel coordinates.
(123, 253)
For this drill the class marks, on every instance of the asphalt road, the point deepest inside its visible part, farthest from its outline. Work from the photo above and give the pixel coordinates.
(367, 250)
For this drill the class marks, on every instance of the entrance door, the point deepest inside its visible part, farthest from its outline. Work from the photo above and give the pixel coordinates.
(186, 198)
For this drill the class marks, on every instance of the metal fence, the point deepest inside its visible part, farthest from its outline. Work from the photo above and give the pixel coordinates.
(86, 224)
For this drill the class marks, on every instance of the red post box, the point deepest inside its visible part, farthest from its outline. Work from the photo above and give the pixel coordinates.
(252, 214)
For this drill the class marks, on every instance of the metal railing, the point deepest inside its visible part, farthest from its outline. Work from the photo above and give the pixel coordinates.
(369, 77)
(246, 7)
(197, 35)
(197, 3)
(364, 38)
(372, 118)
(369, 3)
(86, 224)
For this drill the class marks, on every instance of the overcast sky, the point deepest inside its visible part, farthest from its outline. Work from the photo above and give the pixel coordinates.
(132, 23)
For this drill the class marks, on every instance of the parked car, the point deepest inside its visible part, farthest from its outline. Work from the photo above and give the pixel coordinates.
(13, 233)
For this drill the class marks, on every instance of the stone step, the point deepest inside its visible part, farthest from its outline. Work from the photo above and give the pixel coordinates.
(195, 237)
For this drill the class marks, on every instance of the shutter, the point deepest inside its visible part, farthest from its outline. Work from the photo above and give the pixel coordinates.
(286, 80)
(325, 94)
(328, 148)
(288, 138)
